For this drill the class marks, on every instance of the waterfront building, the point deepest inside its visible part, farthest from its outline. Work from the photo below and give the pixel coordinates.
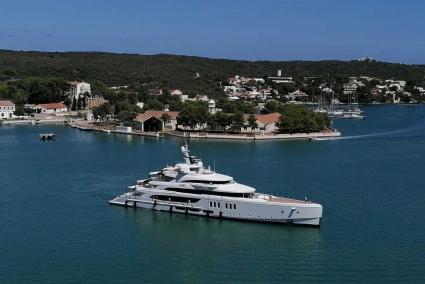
(79, 89)
(50, 108)
(266, 123)
(7, 110)
(94, 101)
(153, 120)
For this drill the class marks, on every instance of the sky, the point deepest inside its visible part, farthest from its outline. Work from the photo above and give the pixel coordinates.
(392, 31)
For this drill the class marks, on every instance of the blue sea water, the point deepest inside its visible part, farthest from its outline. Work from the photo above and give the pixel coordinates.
(56, 225)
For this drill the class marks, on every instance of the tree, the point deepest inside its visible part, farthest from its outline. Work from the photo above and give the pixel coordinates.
(67, 101)
(126, 116)
(212, 122)
(252, 121)
(20, 110)
(166, 118)
(193, 114)
(80, 102)
(273, 106)
(103, 111)
(176, 105)
(10, 72)
(223, 120)
(74, 104)
(154, 103)
(237, 121)
(298, 119)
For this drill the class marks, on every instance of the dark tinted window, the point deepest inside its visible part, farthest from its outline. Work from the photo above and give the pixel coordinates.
(175, 198)
(197, 191)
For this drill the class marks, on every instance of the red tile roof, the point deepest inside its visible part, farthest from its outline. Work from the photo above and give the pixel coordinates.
(51, 106)
(6, 103)
(155, 113)
(266, 118)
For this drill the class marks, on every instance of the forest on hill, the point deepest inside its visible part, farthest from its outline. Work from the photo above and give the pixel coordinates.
(189, 73)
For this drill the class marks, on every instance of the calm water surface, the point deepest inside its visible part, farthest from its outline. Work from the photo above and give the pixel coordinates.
(56, 225)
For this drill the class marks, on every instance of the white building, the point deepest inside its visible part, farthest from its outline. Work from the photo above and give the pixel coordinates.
(282, 80)
(212, 107)
(176, 92)
(78, 88)
(297, 94)
(259, 80)
(349, 88)
(7, 109)
(179, 94)
(123, 129)
(51, 108)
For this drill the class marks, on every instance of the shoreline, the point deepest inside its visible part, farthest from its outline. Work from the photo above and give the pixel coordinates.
(296, 136)
(84, 126)
(329, 133)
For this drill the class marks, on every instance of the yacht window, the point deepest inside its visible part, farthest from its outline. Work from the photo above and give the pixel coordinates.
(210, 204)
(209, 181)
(199, 191)
(226, 205)
(175, 198)
(234, 206)
(218, 204)
(215, 204)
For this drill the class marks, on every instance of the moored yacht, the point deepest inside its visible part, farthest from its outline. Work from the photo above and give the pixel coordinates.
(190, 188)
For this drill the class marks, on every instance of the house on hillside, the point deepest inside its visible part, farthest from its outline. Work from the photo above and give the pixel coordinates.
(7, 109)
(50, 108)
(152, 120)
(298, 94)
(179, 94)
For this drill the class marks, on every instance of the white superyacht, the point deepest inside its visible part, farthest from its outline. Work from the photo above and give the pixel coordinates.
(190, 188)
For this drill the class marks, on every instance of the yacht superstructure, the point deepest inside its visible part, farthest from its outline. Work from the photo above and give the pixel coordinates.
(190, 188)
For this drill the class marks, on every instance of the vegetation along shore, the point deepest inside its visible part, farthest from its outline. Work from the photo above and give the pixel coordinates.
(201, 97)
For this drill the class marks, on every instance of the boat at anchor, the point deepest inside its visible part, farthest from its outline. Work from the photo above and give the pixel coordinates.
(190, 188)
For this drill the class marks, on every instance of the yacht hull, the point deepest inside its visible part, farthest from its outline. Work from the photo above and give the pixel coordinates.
(243, 209)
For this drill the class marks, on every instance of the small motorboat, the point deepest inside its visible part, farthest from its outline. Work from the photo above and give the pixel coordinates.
(47, 136)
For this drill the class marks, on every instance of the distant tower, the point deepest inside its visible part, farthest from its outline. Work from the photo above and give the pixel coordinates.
(279, 73)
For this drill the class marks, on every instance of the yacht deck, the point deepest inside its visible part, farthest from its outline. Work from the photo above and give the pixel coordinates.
(286, 200)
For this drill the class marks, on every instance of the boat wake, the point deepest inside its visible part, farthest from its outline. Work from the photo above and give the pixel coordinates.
(393, 133)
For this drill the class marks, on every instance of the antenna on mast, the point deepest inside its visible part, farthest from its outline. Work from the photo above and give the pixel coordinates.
(214, 162)
(185, 151)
